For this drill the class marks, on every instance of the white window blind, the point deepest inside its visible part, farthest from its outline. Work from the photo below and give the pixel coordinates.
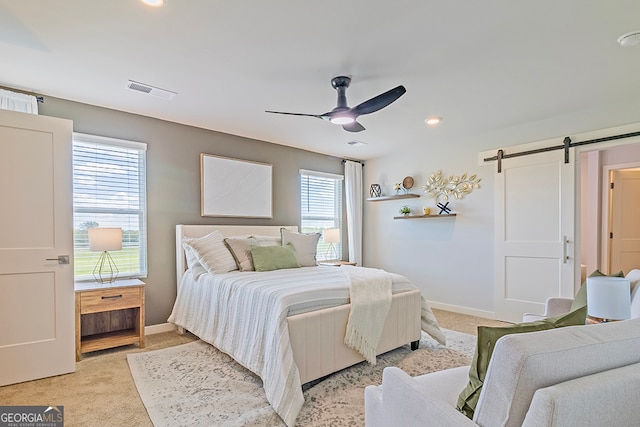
(109, 190)
(321, 207)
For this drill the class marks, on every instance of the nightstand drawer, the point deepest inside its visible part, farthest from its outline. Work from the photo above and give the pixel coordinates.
(109, 299)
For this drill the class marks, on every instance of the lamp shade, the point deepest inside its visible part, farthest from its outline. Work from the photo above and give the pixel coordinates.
(105, 239)
(609, 297)
(331, 235)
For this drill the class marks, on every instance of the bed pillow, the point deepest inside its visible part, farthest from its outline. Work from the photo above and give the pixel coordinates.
(190, 255)
(305, 245)
(268, 258)
(192, 261)
(487, 338)
(241, 251)
(212, 253)
(267, 240)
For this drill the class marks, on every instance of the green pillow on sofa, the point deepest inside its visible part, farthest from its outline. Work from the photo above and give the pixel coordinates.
(487, 338)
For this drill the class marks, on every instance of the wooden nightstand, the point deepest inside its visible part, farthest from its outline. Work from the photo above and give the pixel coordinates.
(337, 263)
(109, 315)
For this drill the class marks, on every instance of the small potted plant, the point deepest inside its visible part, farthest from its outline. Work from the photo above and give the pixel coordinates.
(405, 210)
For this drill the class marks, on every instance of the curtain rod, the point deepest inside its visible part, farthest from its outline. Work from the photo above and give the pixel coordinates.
(566, 144)
(351, 160)
(39, 99)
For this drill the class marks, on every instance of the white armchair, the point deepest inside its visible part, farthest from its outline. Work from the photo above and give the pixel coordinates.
(554, 306)
(396, 402)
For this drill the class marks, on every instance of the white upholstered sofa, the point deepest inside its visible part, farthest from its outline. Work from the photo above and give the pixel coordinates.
(573, 376)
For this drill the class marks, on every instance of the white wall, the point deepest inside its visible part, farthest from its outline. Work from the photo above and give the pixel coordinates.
(449, 259)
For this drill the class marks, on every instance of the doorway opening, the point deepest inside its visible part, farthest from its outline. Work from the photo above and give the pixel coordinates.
(610, 226)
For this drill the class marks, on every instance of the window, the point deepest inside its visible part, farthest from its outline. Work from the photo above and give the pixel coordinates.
(321, 208)
(109, 190)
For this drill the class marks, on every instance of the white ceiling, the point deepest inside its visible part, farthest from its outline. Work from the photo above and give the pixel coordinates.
(493, 69)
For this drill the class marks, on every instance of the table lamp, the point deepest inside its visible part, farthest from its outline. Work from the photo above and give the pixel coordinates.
(608, 298)
(105, 239)
(331, 236)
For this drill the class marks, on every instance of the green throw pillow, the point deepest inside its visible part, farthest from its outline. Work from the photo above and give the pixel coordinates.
(580, 300)
(487, 338)
(267, 258)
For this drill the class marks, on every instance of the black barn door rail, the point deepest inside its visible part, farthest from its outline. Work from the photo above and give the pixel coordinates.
(566, 144)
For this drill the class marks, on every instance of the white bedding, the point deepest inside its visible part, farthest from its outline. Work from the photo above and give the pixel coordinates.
(244, 314)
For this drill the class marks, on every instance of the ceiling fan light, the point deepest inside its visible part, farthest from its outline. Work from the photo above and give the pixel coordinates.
(342, 120)
(153, 3)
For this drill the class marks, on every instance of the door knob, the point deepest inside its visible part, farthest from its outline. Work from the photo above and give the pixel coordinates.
(62, 259)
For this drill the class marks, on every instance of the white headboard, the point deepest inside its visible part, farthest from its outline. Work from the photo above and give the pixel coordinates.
(186, 231)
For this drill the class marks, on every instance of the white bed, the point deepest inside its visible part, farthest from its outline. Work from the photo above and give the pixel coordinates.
(312, 342)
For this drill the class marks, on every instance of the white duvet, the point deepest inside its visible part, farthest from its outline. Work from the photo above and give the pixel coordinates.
(244, 315)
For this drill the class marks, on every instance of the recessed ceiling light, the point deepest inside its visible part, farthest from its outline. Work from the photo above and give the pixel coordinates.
(153, 3)
(629, 39)
(432, 121)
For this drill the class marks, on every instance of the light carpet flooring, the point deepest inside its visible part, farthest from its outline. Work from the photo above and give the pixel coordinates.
(197, 385)
(102, 390)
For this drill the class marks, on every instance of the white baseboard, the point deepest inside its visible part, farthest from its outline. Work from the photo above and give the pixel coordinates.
(463, 310)
(158, 329)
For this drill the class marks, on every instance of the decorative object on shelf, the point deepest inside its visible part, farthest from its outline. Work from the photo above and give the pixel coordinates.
(426, 211)
(375, 190)
(608, 298)
(405, 210)
(331, 236)
(458, 186)
(103, 240)
(397, 187)
(407, 182)
(444, 208)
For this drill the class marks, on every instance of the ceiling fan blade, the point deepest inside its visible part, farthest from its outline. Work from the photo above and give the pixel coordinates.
(378, 102)
(319, 116)
(353, 127)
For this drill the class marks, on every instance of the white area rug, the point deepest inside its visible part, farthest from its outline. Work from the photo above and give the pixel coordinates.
(195, 384)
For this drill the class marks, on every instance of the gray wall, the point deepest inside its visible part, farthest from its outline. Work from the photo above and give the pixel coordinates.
(173, 181)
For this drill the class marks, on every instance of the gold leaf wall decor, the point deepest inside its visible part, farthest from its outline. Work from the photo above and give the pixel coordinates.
(456, 186)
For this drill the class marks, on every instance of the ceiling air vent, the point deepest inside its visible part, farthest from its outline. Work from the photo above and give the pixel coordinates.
(151, 90)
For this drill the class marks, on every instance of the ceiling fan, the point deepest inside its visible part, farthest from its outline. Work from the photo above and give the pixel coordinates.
(347, 116)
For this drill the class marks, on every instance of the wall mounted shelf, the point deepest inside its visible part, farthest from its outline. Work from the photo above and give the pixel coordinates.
(422, 216)
(395, 197)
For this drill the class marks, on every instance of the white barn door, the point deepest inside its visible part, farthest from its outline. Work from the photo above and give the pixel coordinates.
(36, 289)
(534, 233)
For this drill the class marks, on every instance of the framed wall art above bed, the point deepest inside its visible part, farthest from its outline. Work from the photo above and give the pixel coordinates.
(235, 188)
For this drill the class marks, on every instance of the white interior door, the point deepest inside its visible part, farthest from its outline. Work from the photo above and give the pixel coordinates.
(624, 241)
(36, 291)
(534, 233)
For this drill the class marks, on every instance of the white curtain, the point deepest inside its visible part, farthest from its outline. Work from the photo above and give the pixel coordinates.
(353, 196)
(18, 102)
